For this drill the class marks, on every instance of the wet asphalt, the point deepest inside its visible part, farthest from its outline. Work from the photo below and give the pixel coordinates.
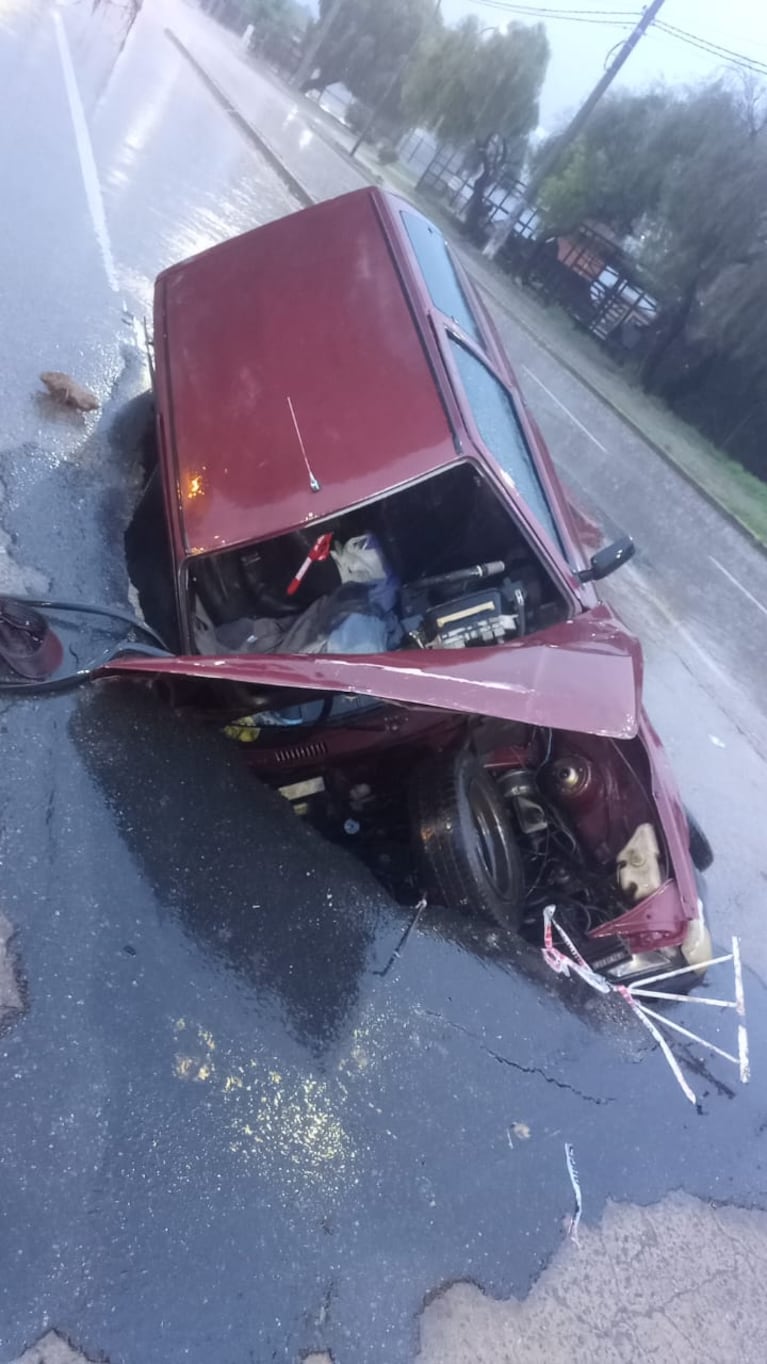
(235, 1124)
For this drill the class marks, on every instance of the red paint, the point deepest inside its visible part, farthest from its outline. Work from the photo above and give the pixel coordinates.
(658, 921)
(303, 369)
(305, 313)
(583, 674)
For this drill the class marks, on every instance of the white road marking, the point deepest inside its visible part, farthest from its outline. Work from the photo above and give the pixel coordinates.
(85, 152)
(631, 574)
(739, 585)
(566, 410)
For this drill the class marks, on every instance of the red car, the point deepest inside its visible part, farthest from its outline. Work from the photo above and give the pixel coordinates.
(357, 548)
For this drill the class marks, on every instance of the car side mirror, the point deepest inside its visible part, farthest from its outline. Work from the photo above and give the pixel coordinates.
(606, 560)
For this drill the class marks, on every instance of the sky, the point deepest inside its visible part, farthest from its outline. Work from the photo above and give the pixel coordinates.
(579, 50)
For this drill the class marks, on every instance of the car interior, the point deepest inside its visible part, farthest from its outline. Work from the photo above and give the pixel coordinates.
(440, 563)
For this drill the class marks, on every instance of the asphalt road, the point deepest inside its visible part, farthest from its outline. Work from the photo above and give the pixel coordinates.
(234, 1127)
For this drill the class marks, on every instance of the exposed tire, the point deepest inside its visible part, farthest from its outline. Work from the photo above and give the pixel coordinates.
(701, 852)
(464, 840)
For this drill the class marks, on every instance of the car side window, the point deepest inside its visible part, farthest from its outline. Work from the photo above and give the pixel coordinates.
(496, 421)
(440, 275)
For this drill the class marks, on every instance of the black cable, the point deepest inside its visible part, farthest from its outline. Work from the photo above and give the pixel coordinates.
(19, 686)
(726, 54)
(619, 19)
(108, 612)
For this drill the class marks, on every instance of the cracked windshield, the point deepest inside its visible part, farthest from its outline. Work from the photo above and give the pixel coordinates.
(383, 632)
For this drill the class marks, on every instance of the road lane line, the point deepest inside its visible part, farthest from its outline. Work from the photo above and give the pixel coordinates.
(85, 153)
(656, 603)
(759, 605)
(566, 410)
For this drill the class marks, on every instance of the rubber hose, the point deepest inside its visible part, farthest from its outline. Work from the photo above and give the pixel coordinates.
(79, 678)
(110, 612)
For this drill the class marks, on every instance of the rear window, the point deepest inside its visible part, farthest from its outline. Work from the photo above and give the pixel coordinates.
(496, 421)
(440, 275)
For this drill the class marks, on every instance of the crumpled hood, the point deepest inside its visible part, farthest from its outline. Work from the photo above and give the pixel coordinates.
(584, 674)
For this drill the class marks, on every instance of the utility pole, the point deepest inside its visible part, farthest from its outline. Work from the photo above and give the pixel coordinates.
(308, 61)
(552, 157)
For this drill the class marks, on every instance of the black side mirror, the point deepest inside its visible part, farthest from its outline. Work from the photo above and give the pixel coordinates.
(606, 560)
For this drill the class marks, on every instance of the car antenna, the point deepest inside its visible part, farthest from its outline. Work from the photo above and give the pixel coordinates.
(314, 483)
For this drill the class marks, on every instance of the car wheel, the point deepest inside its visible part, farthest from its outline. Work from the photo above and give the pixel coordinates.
(701, 852)
(133, 432)
(464, 840)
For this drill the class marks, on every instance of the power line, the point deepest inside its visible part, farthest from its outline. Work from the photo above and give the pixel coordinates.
(714, 49)
(559, 10)
(614, 18)
(553, 153)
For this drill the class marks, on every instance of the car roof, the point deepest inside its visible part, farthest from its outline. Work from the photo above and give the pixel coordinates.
(292, 381)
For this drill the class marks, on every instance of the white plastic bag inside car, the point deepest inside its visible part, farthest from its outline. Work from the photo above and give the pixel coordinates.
(360, 560)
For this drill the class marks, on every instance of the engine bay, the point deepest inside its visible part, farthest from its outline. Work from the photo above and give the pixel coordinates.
(576, 813)
(564, 820)
(439, 564)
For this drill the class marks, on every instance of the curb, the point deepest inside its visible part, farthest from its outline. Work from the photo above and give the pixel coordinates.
(290, 181)
(306, 199)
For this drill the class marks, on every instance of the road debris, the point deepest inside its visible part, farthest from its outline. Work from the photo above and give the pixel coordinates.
(11, 1001)
(53, 1348)
(68, 391)
(563, 964)
(572, 1229)
(419, 909)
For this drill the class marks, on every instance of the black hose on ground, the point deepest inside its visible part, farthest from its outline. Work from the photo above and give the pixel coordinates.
(110, 612)
(48, 685)
(76, 679)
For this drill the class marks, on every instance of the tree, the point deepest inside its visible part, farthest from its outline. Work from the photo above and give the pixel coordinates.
(614, 171)
(690, 167)
(275, 22)
(481, 92)
(712, 211)
(366, 45)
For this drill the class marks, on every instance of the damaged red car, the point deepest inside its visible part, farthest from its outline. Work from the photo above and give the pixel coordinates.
(355, 543)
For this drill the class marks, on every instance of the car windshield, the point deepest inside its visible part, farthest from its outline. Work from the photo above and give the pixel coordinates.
(440, 275)
(497, 423)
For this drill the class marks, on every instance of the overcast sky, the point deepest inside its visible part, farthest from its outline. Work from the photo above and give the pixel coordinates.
(578, 50)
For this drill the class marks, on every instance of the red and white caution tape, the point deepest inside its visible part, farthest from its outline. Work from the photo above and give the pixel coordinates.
(644, 1016)
(574, 1223)
(563, 964)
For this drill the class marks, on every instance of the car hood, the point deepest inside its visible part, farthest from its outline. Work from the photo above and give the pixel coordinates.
(583, 675)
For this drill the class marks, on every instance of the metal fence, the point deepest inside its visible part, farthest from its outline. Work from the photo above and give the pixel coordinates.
(449, 176)
(591, 277)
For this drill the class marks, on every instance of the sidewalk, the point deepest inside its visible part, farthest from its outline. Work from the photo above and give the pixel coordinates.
(310, 151)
